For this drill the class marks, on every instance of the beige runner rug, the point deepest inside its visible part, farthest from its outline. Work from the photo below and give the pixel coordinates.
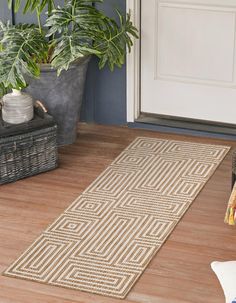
(103, 242)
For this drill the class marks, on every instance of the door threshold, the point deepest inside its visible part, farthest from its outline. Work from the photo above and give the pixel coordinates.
(188, 124)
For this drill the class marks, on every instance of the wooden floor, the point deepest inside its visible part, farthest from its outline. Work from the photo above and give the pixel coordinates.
(179, 273)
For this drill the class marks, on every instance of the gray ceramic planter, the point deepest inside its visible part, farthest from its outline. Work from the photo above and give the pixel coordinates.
(62, 96)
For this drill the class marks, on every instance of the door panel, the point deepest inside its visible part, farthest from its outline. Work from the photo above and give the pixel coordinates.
(188, 59)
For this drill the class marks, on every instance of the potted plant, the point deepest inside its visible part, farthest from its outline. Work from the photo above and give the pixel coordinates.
(50, 61)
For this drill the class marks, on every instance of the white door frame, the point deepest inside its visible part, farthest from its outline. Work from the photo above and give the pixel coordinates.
(133, 65)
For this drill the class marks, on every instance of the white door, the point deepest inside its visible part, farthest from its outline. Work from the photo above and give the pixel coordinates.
(188, 64)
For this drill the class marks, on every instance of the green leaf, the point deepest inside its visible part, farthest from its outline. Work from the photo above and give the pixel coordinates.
(80, 29)
(32, 5)
(22, 47)
(69, 49)
(27, 6)
(3, 90)
(75, 30)
(113, 40)
(10, 2)
(17, 4)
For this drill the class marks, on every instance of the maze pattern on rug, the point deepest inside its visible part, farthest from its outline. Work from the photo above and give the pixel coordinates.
(103, 242)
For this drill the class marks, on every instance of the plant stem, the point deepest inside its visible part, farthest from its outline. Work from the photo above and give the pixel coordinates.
(39, 20)
(49, 15)
(73, 14)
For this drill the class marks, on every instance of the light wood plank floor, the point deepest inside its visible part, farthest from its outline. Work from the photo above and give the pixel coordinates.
(179, 273)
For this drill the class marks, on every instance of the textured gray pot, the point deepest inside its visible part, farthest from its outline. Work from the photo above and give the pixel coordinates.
(62, 96)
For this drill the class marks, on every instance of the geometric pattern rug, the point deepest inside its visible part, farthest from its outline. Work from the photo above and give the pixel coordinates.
(104, 241)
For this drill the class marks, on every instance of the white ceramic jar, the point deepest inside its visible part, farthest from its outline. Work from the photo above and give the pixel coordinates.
(17, 107)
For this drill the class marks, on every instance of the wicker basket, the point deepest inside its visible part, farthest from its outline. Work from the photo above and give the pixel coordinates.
(27, 149)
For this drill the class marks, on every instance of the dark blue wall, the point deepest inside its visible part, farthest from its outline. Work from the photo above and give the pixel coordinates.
(5, 14)
(105, 92)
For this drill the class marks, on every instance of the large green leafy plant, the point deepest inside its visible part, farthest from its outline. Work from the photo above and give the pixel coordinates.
(75, 30)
